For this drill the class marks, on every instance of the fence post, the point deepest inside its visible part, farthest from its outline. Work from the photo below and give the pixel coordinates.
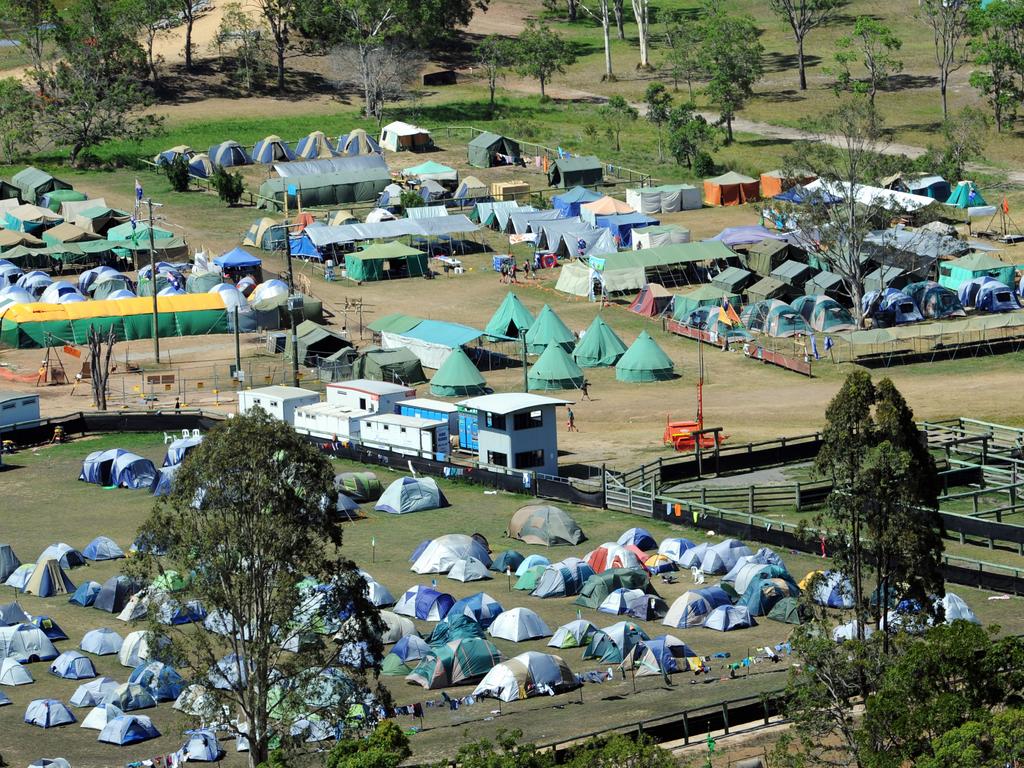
(703, 494)
(750, 499)
(974, 499)
(725, 716)
(796, 494)
(686, 729)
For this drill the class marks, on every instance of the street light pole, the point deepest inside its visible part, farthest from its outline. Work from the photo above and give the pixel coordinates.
(152, 282)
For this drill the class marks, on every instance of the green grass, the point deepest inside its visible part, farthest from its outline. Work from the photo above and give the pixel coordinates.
(44, 503)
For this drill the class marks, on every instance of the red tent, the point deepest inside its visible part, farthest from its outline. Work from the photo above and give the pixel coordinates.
(652, 300)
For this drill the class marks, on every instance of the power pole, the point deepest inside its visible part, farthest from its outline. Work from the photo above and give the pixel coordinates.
(294, 303)
(152, 279)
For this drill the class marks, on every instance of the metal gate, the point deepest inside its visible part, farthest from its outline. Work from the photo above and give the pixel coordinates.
(618, 496)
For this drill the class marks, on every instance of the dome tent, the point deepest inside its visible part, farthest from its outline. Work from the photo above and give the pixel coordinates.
(721, 557)
(86, 594)
(48, 713)
(271, 149)
(162, 681)
(599, 346)
(72, 665)
(468, 569)
(830, 588)
(661, 655)
(130, 696)
(613, 644)
(225, 155)
(11, 614)
(128, 729)
(102, 548)
(563, 579)
(691, 608)
(480, 607)
(114, 594)
(554, 370)
(13, 673)
(532, 561)
(101, 642)
(424, 603)
(726, 618)
(509, 319)
(546, 330)
(528, 674)
(92, 693)
(518, 625)
(48, 579)
(20, 577)
(632, 602)
(545, 525)
(644, 361)
(457, 377)
(789, 610)
(509, 560)
(455, 627)
(443, 552)
(598, 587)
(66, 555)
(315, 146)
(202, 746)
(575, 634)
(674, 548)
(357, 142)
(50, 627)
(395, 627)
(456, 663)
(640, 538)
(955, 608)
(611, 555)
(411, 494)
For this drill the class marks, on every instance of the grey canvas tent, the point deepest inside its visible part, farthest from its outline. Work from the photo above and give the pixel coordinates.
(357, 185)
(484, 150)
(575, 171)
(315, 341)
(35, 183)
(9, 562)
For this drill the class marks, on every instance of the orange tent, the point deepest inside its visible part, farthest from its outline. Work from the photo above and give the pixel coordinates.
(607, 206)
(731, 189)
(776, 182)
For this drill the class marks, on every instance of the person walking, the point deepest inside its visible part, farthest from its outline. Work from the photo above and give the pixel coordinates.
(571, 420)
(585, 390)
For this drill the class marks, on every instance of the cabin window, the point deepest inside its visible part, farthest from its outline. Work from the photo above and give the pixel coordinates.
(529, 420)
(528, 459)
(496, 421)
(497, 459)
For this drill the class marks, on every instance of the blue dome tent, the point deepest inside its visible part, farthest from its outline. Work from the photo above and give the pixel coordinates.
(48, 713)
(130, 470)
(179, 449)
(50, 628)
(128, 729)
(102, 548)
(986, 294)
(72, 665)
(161, 680)
(101, 642)
(229, 153)
(98, 467)
(86, 594)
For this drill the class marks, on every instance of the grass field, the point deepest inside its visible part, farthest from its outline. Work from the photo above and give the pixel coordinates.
(44, 503)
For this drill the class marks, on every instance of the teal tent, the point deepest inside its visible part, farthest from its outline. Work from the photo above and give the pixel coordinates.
(953, 274)
(644, 361)
(548, 329)
(385, 261)
(966, 195)
(599, 346)
(702, 296)
(509, 319)
(554, 369)
(457, 377)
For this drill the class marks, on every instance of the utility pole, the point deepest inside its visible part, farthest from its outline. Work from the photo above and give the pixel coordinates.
(526, 381)
(152, 281)
(294, 303)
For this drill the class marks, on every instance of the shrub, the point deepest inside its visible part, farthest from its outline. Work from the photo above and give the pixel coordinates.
(229, 186)
(703, 164)
(177, 174)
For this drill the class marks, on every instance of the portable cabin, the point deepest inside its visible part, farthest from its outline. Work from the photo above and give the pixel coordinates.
(329, 421)
(18, 408)
(369, 396)
(280, 402)
(433, 410)
(399, 136)
(409, 435)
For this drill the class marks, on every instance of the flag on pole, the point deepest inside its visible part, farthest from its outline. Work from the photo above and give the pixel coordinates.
(728, 315)
(814, 347)
(138, 190)
(1006, 205)
(828, 343)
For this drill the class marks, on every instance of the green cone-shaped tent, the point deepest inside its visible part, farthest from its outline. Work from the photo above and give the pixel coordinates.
(457, 377)
(554, 370)
(644, 361)
(547, 329)
(600, 346)
(510, 318)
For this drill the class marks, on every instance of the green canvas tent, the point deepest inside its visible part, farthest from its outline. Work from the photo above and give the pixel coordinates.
(789, 610)
(764, 256)
(732, 280)
(431, 170)
(548, 329)
(825, 282)
(459, 662)
(9, 192)
(485, 148)
(394, 323)
(315, 341)
(599, 346)
(509, 319)
(528, 581)
(953, 274)
(68, 233)
(701, 296)
(395, 365)
(383, 261)
(35, 183)
(597, 587)
(357, 185)
(100, 219)
(569, 172)
(768, 288)
(792, 273)
(457, 377)
(644, 361)
(55, 199)
(966, 195)
(554, 369)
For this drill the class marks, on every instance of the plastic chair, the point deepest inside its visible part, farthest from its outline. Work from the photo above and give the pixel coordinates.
(168, 438)
(195, 433)
(698, 575)
(184, 434)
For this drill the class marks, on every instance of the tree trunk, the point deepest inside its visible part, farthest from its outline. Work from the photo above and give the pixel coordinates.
(492, 84)
(643, 29)
(661, 152)
(364, 64)
(728, 129)
(570, 7)
(606, 31)
(801, 65)
(280, 66)
(543, 96)
(189, 21)
(620, 22)
(942, 90)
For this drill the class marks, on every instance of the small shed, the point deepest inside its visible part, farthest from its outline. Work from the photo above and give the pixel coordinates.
(732, 280)
(512, 431)
(953, 274)
(490, 149)
(18, 408)
(568, 172)
(769, 288)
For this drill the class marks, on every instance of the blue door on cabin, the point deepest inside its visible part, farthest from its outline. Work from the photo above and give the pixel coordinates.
(468, 431)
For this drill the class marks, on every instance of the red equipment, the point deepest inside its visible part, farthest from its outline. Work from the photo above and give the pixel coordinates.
(687, 435)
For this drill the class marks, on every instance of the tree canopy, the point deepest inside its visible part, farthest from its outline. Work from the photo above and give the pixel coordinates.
(252, 522)
(540, 53)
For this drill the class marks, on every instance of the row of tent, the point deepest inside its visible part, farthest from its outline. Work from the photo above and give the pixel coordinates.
(272, 149)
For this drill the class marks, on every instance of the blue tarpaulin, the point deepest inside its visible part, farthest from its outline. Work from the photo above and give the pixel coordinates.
(237, 259)
(622, 225)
